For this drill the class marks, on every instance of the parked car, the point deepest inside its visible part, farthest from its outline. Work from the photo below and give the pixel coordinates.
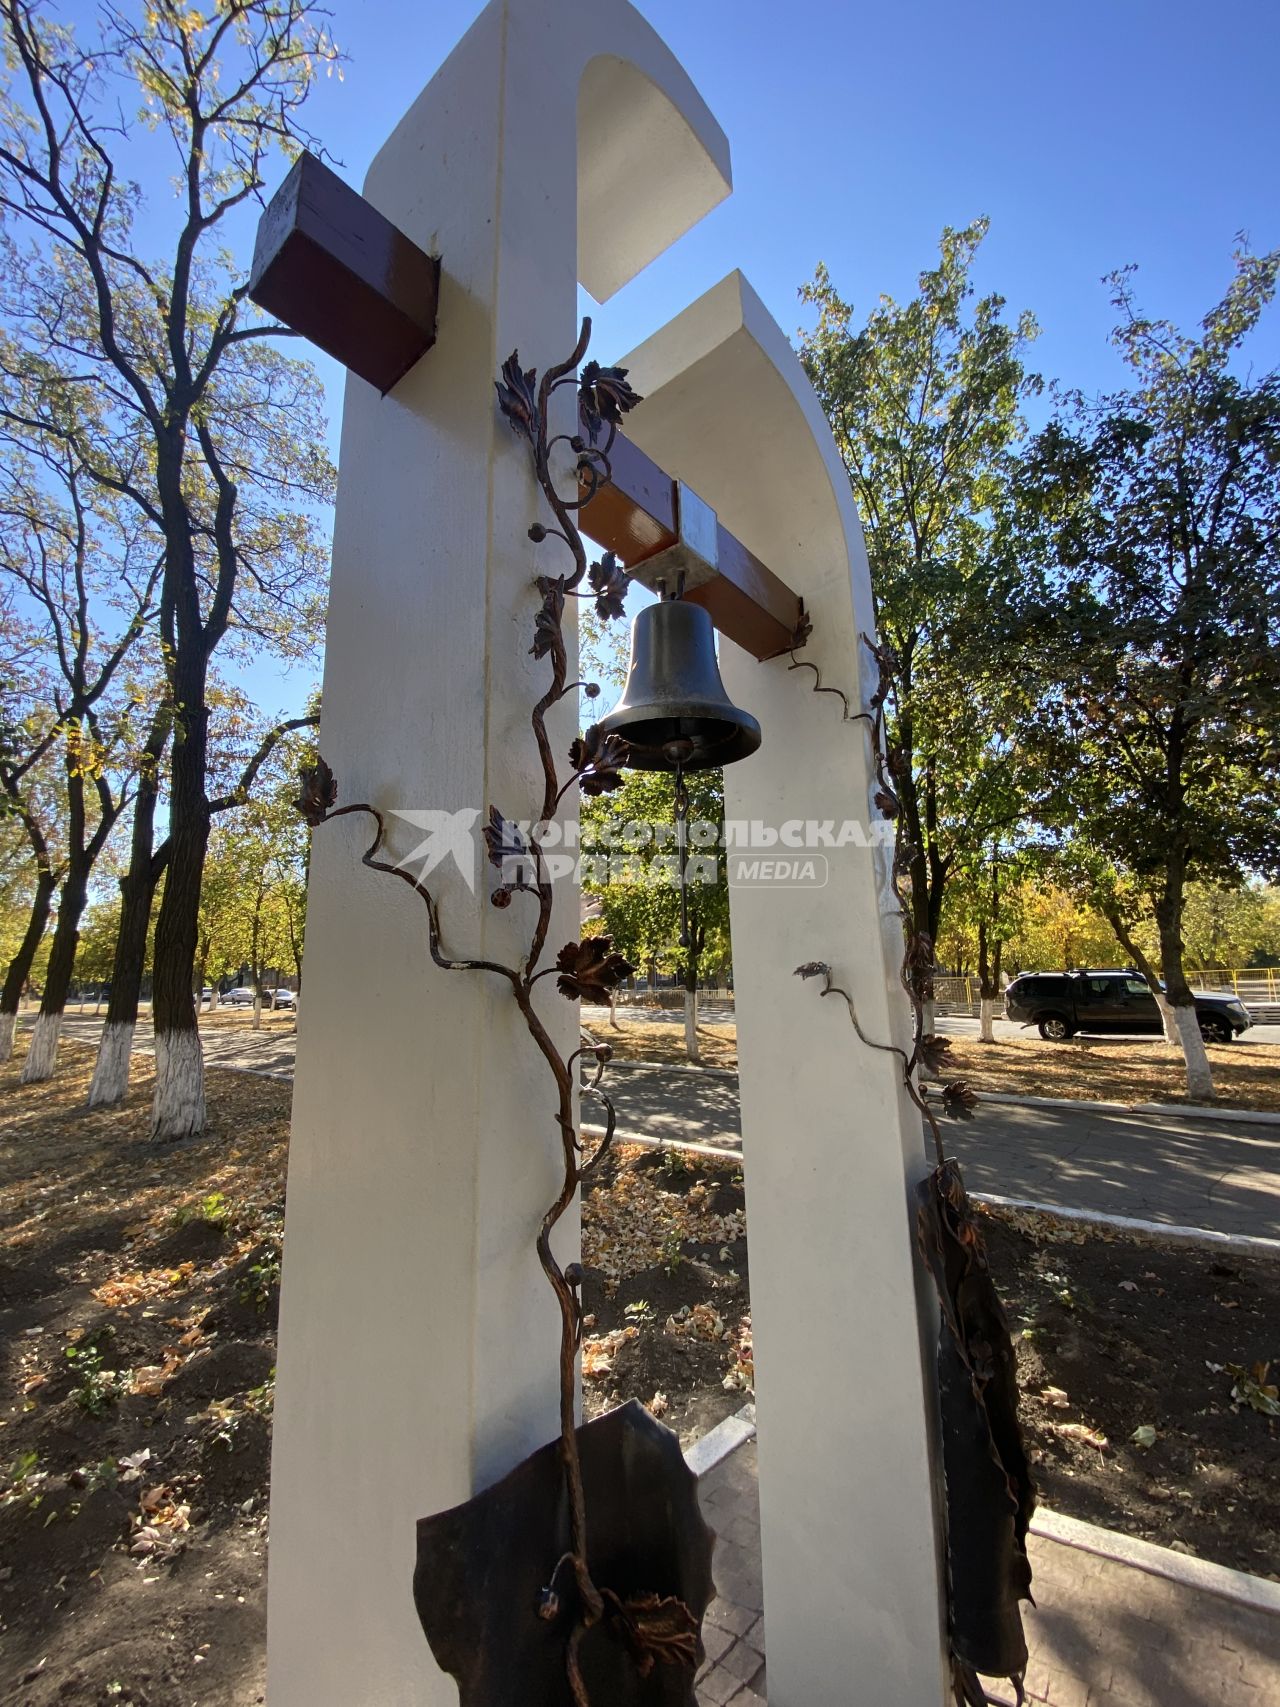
(1063, 1003)
(283, 998)
(241, 996)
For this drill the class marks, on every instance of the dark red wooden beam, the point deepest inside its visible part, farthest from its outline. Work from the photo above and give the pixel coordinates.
(635, 517)
(330, 266)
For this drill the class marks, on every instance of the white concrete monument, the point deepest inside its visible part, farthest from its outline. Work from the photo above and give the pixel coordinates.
(561, 142)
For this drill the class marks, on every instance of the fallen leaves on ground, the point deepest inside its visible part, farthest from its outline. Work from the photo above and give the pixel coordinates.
(1108, 1069)
(634, 1224)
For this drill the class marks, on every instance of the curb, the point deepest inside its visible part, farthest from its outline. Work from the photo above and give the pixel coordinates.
(1241, 1587)
(715, 1151)
(1183, 1568)
(254, 1072)
(678, 1067)
(725, 1438)
(1247, 1244)
(1179, 1111)
(1207, 1238)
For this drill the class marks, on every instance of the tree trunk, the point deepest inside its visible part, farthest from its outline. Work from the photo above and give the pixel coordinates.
(691, 1010)
(42, 1056)
(988, 986)
(111, 1070)
(15, 981)
(1124, 937)
(1169, 919)
(178, 1109)
(137, 898)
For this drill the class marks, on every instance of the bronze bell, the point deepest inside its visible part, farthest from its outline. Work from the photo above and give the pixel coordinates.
(674, 714)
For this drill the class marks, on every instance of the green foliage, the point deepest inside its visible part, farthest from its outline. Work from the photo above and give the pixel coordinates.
(924, 402)
(214, 1209)
(1157, 644)
(640, 901)
(261, 1280)
(96, 1387)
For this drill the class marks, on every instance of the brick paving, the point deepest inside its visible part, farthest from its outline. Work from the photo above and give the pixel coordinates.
(1103, 1634)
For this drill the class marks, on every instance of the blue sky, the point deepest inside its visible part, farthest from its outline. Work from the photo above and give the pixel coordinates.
(1093, 134)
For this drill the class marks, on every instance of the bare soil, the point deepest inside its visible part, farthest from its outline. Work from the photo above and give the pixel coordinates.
(134, 1474)
(1114, 1335)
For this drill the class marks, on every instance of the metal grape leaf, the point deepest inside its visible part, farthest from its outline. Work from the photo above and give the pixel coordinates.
(517, 396)
(590, 969)
(599, 763)
(503, 840)
(609, 582)
(319, 792)
(989, 1492)
(932, 1052)
(812, 969)
(546, 627)
(484, 1569)
(959, 1099)
(604, 396)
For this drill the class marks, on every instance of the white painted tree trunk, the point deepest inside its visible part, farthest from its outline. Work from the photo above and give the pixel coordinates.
(1168, 1020)
(691, 1026)
(179, 1095)
(1199, 1073)
(257, 1010)
(111, 1070)
(986, 1020)
(213, 997)
(8, 1024)
(42, 1057)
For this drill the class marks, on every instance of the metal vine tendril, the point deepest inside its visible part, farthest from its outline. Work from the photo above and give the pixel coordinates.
(927, 1048)
(653, 1629)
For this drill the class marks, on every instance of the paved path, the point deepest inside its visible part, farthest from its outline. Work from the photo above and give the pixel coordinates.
(1101, 1634)
(1216, 1174)
(1172, 1168)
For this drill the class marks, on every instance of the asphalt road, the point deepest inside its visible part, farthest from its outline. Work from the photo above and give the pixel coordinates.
(1168, 1167)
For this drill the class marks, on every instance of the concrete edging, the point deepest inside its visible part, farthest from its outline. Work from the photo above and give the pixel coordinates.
(718, 1443)
(1247, 1244)
(1179, 1111)
(1183, 1568)
(647, 1143)
(1241, 1587)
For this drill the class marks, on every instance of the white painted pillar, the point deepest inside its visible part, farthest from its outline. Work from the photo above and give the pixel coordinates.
(418, 1337)
(853, 1609)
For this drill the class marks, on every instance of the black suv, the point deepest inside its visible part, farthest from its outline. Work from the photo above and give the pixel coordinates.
(1063, 1003)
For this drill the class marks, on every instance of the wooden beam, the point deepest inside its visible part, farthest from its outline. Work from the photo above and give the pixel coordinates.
(330, 266)
(635, 517)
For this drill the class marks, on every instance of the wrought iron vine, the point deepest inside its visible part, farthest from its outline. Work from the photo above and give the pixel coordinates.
(652, 1628)
(990, 1494)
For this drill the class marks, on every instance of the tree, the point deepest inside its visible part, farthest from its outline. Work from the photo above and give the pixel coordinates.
(26, 800)
(148, 862)
(1160, 652)
(924, 404)
(254, 903)
(85, 568)
(639, 895)
(234, 464)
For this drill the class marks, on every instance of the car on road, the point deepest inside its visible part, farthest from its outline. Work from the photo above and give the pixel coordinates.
(240, 997)
(283, 998)
(1061, 1004)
